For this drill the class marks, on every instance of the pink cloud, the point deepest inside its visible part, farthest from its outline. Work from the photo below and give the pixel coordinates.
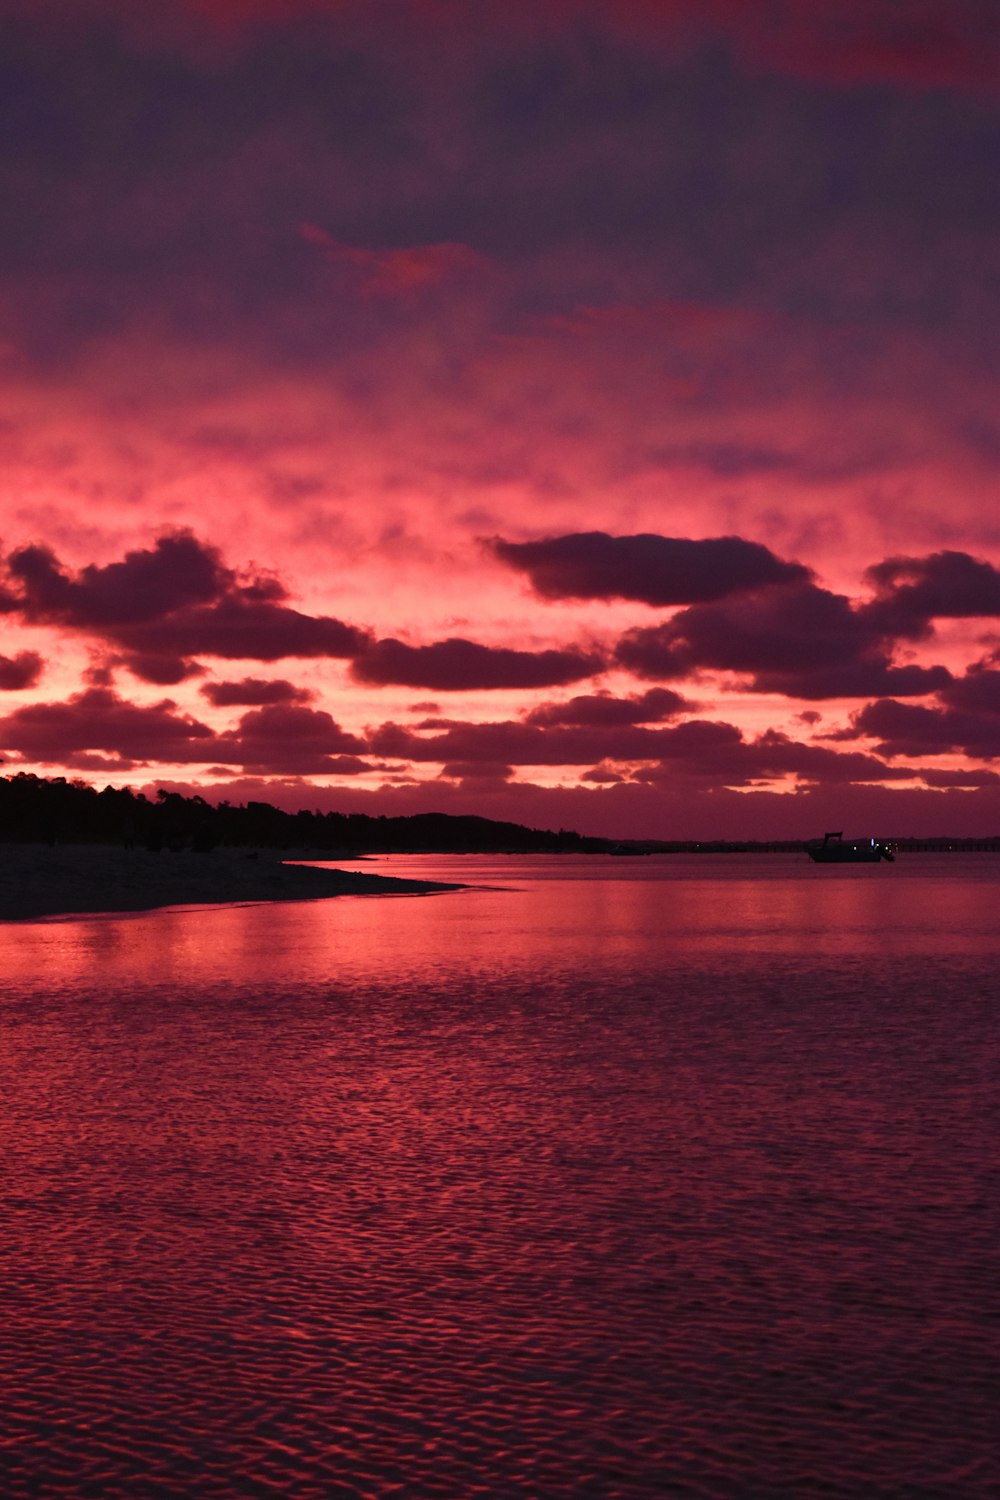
(399, 273)
(685, 289)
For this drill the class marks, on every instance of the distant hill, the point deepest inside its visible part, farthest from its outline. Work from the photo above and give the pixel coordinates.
(34, 809)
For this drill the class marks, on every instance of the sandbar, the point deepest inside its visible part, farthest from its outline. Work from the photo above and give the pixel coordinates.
(38, 880)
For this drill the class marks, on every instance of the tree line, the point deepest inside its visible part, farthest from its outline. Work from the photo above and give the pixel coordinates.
(35, 809)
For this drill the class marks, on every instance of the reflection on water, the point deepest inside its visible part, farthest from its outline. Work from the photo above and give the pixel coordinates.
(624, 1177)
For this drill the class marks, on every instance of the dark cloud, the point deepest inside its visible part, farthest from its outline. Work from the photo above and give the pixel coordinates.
(240, 628)
(20, 671)
(912, 730)
(656, 570)
(167, 604)
(791, 630)
(777, 754)
(912, 592)
(978, 691)
(967, 720)
(147, 584)
(651, 707)
(254, 692)
(161, 671)
(97, 719)
(521, 744)
(718, 755)
(702, 749)
(655, 652)
(456, 665)
(90, 763)
(860, 679)
(477, 770)
(971, 778)
(602, 776)
(286, 739)
(799, 640)
(277, 739)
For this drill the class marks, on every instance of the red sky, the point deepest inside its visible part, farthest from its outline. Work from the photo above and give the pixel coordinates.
(581, 414)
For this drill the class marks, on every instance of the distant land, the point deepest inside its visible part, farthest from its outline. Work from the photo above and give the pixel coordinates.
(36, 809)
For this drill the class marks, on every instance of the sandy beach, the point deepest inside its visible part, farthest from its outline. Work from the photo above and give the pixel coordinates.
(37, 880)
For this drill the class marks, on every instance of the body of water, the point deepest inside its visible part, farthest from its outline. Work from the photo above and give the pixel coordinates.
(609, 1177)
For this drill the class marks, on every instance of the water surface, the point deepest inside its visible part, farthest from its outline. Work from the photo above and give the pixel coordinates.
(608, 1177)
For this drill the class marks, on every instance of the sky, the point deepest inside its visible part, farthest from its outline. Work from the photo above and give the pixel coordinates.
(580, 413)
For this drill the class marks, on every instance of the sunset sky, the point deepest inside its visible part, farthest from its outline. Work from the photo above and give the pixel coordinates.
(581, 412)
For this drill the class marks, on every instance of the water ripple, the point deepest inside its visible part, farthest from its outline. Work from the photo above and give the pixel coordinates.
(693, 1230)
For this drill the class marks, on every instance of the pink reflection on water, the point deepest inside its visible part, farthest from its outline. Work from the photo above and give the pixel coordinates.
(518, 911)
(551, 1186)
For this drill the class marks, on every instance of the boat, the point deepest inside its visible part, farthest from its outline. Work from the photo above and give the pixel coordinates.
(834, 849)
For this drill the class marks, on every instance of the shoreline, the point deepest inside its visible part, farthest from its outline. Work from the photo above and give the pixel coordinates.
(79, 880)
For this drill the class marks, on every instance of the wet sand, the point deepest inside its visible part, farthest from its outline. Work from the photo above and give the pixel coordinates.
(39, 881)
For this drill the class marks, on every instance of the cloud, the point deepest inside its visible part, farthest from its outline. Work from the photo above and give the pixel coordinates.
(167, 604)
(147, 584)
(799, 639)
(278, 739)
(970, 778)
(914, 591)
(602, 776)
(859, 679)
(651, 707)
(718, 755)
(456, 665)
(254, 692)
(240, 628)
(655, 570)
(510, 742)
(20, 671)
(978, 691)
(776, 754)
(160, 670)
(707, 751)
(912, 730)
(477, 770)
(288, 739)
(636, 266)
(97, 719)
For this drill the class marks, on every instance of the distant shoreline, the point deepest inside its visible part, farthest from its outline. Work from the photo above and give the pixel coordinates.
(40, 880)
(910, 845)
(64, 880)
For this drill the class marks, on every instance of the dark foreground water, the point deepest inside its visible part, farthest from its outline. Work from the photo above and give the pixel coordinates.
(636, 1178)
